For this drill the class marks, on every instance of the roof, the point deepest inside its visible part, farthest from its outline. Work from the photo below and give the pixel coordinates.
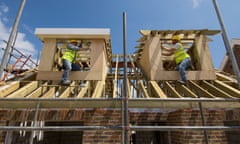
(66, 33)
(27, 92)
(220, 93)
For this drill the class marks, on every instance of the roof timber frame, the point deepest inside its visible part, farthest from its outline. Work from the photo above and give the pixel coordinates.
(157, 66)
(148, 94)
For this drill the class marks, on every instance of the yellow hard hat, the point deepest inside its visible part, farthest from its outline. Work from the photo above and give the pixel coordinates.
(73, 41)
(176, 37)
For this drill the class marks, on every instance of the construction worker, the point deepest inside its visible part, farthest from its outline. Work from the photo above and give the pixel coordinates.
(181, 57)
(68, 60)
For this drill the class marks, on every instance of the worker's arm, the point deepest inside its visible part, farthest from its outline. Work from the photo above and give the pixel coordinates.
(169, 50)
(73, 47)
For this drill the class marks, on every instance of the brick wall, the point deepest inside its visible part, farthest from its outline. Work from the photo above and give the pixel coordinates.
(112, 117)
(193, 118)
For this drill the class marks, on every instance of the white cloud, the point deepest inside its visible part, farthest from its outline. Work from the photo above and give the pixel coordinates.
(196, 3)
(3, 8)
(22, 44)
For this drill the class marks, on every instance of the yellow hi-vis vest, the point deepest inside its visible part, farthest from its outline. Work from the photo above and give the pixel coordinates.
(180, 54)
(69, 55)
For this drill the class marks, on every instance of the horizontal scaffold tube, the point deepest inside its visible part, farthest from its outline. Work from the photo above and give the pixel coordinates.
(133, 128)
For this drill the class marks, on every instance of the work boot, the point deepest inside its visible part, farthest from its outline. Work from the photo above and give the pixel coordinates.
(181, 82)
(66, 82)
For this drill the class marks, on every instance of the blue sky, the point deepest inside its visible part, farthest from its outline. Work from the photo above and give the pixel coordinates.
(141, 14)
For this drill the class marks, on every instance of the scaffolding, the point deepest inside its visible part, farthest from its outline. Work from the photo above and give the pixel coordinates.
(125, 87)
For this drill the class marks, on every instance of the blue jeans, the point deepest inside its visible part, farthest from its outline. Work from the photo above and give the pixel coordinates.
(182, 66)
(68, 66)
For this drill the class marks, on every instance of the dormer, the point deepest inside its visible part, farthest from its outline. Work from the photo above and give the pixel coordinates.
(156, 66)
(94, 61)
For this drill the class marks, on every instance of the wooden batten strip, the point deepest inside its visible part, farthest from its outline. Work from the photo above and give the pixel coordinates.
(157, 89)
(38, 92)
(172, 92)
(115, 78)
(200, 92)
(98, 89)
(228, 89)
(24, 91)
(9, 88)
(50, 93)
(214, 90)
(67, 91)
(143, 89)
(83, 91)
(186, 92)
(128, 88)
(223, 77)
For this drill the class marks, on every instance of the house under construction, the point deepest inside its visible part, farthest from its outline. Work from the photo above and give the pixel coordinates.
(119, 97)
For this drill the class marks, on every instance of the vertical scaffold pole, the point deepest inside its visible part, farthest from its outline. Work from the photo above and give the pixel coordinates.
(11, 38)
(125, 92)
(227, 44)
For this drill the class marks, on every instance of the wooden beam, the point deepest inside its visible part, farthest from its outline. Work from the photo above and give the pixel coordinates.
(191, 75)
(186, 92)
(42, 89)
(24, 91)
(223, 77)
(200, 92)
(157, 89)
(116, 103)
(98, 90)
(9, 88)
(50, 93)
(74, 75)
(143, 89)
(83, 91)
(115, 79)
(228, 89)
(214, 90)
(171, 91)
(67, 91)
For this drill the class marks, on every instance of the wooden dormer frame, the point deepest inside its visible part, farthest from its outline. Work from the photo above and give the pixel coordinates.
(99, 53)
(150, 59)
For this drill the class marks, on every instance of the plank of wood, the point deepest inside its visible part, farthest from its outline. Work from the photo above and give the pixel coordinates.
(50, 93)
(24, 91)
(186, 91)
(48, 52)
(74, 75)
(115, 79)
(9, 88)
(143, 89)
(67, 91)
(83, 91)
(42, 89)
(171, 91)
(98, 89)
(191, 75)
(200, 92)
(214, 90)
(228, 89)
(157, 89)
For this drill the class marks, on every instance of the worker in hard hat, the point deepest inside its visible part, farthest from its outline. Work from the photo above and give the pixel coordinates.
(68, 60)
(181, 57)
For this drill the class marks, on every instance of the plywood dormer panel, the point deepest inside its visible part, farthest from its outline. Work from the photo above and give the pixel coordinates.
(156, 66)
(94, 61)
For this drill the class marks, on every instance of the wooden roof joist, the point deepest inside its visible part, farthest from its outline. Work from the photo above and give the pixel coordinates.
(10, 103)
(183, 32)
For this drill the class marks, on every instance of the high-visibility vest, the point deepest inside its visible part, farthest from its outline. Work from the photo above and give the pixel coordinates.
(69, 55)
(180, 54)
